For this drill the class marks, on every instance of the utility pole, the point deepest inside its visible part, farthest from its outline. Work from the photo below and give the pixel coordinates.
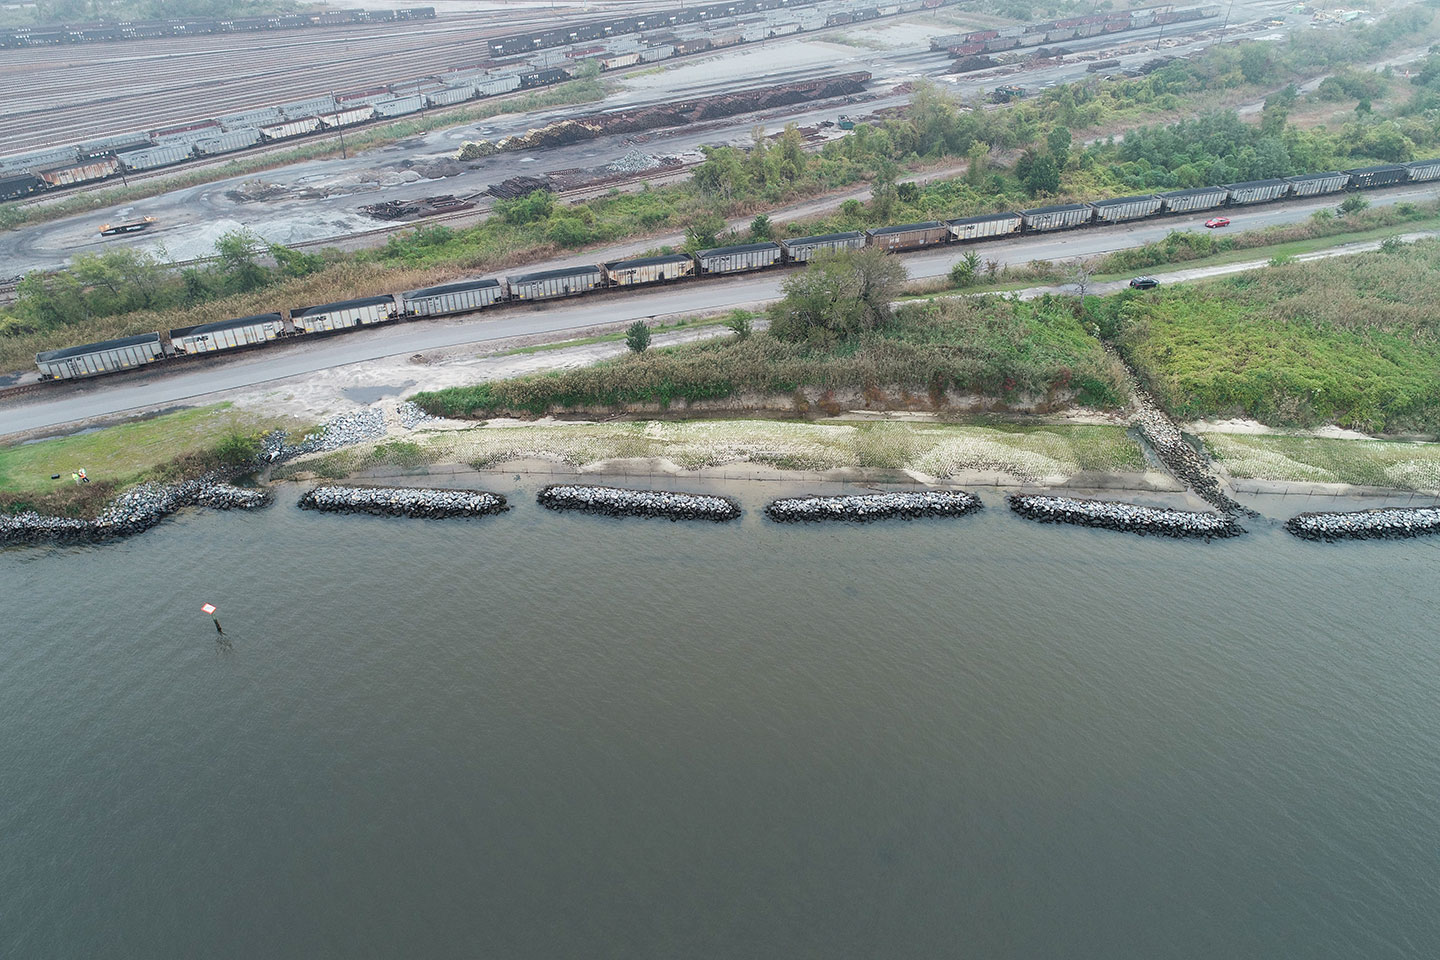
(340, 126)
(1225, 26)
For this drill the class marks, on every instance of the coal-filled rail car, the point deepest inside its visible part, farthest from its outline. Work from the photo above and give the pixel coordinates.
(738, 259)
(804, 249)
(361, 312)
(551, 284)
(908, 236)
(1422, 171)
(1190, 201)
(985, 227)
(1123, 209)
(643, 270)
(1315, 184)
(227, 334)
(1062, 216)
(460, 297)
(1257, 191)
(1383, 175)
(20, 185)
(108, 356)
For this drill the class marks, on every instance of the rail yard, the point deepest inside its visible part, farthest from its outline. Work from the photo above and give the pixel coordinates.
(315, 202)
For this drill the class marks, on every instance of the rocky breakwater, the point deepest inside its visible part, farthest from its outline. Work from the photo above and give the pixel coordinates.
(403, 502)
(863, 508)
(1129, 517)
(618, 502)
(134, 511)
(1385, 523)
(1186, 463)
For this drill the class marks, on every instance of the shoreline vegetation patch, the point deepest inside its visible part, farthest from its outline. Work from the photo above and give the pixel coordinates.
(1397, 464)
(1027, 452)
(991, 347)
(1353, 341)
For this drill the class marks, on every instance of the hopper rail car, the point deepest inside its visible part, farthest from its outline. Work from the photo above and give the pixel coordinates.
(469, 296)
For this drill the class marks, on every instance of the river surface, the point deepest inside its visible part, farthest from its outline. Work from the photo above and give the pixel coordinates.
(548, 736)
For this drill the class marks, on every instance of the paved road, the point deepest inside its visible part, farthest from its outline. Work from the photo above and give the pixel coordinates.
(155, 390)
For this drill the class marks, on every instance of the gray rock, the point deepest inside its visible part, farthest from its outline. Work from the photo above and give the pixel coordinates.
(1129, 517)
(619, 502)
(863, 508)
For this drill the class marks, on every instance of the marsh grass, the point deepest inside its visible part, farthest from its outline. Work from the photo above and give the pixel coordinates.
(1381, 463)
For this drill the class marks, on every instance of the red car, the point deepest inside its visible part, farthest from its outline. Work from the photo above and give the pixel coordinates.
(1218, 222)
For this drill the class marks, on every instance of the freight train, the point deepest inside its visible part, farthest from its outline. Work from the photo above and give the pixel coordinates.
(57, 34)
(513, 68)
(60, 167)
(468, 296)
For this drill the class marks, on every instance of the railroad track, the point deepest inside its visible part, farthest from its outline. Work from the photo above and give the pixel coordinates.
(21, 389)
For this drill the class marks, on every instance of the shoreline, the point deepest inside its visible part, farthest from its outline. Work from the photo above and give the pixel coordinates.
(751, 489)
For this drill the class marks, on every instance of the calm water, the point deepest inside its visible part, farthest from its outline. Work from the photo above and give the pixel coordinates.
(539, 736)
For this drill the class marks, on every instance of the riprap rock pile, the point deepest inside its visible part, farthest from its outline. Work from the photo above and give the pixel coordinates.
(1386, 523)
(862, 508)
(1129, 517)
(134, 511)
(341, 431)
(403, 502)
(618, 502)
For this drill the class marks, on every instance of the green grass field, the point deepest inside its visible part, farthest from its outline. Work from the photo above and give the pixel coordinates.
(127, 452)
(1348, 340)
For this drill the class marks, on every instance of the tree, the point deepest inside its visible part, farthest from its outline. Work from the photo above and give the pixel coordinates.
(703, 232)
(723, 175)
(841, 294)
(637, 337)
(739, 323)
(236, 252)
(295, 263)
(883, 191)
(760, 228)
(979, 157)
(531, 208)
(1080, 279)
(567, 232)
(792, 153)
(1043, 177)
(966, 272)
(1058, 141)
(1353, 204)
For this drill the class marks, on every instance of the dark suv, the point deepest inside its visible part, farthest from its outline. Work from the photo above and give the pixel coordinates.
(1144, 283)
